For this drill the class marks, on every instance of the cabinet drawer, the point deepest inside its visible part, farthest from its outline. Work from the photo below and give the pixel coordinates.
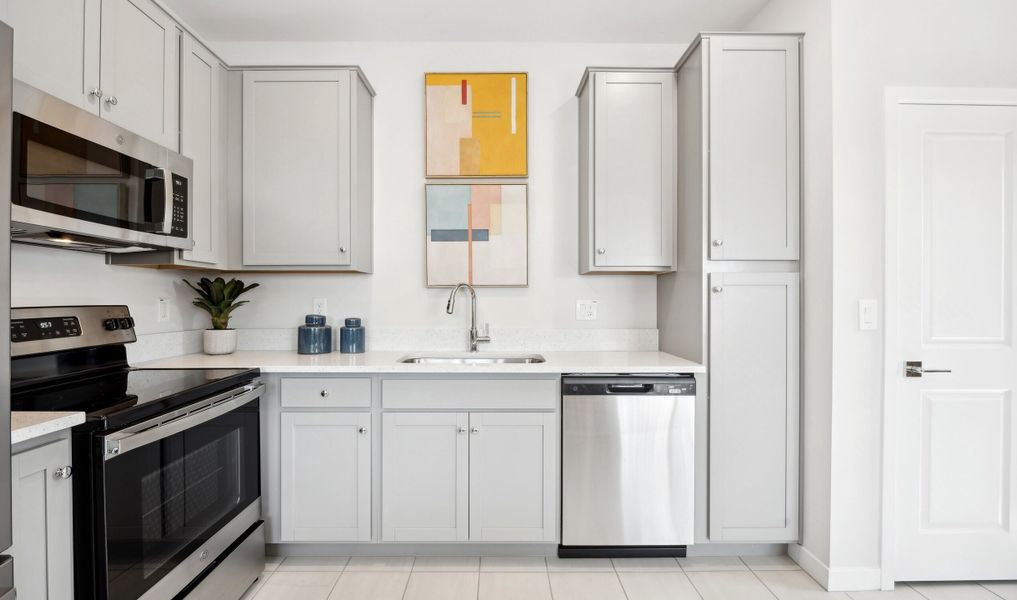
(326, 392)
(470, 394)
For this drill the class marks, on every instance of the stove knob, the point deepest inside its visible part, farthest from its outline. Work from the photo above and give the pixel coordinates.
(125, 323)
(110, 324)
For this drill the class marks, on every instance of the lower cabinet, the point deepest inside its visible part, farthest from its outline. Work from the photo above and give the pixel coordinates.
(41, 518)
(468, 476)
(753, 407)
(326, 476)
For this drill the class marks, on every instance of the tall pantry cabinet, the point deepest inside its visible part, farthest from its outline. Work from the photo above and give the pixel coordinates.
(733, 301)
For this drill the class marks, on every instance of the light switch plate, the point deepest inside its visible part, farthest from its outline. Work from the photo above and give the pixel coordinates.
(868, 314)
(586, 310)
(162, 310)
(319, 306)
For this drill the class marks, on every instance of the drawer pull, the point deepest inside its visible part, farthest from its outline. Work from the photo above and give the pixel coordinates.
(324, 393)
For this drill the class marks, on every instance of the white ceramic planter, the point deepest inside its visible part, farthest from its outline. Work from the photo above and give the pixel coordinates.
(220, 341)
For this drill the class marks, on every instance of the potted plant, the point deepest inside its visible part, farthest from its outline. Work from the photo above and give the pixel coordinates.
(218, 298)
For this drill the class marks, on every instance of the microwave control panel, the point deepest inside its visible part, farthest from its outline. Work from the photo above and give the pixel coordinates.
(179, 225)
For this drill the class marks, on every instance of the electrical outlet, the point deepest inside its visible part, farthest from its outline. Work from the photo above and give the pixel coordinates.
(320, 306)
(868, 315)
(162, 310)
(586, 310)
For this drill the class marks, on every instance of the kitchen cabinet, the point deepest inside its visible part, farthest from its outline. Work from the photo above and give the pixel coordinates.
(41, 518)
(307, 169)
(56, 47)
(326, 476)
(468, 476)
(139, 69)
(627, 173)
(749, 141)
(117, 58)
(754, 406)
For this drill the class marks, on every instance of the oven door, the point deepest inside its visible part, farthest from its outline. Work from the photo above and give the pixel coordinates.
(173, 488)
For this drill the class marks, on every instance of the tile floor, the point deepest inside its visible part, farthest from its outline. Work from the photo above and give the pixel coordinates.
(539, 578)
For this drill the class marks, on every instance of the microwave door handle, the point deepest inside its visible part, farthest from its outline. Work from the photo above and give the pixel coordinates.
(166, 225)
(117, 444)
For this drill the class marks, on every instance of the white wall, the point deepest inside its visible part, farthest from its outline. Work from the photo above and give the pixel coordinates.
(48, 277)
(395, 296)
(813, 18)
(879, 43)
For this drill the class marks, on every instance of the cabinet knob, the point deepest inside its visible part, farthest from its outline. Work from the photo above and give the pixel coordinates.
(111, 100)
(601, 250)
(474, 430)
(462, 430)
(62, 473)
(717, 289)
(342, 249)
(718, 243)
(362, 430)
(324, 393)
(95, 92)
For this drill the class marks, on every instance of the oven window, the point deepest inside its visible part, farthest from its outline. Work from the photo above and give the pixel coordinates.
(60, 173)
(164, 500)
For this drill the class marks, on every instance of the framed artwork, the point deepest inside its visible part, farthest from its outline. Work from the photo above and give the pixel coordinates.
(476, 234)
(475, 124)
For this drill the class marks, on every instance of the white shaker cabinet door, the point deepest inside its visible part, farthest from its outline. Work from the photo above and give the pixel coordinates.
(634, 171)
(512, 477)
(200, 141)
(41, 517)
(425, 471)
(326, 477)
(753, 387)
(139, 65)
(56, 47)
(296, 188)
(754, 144)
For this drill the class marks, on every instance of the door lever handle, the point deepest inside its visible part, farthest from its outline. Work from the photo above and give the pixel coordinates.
(913, 368)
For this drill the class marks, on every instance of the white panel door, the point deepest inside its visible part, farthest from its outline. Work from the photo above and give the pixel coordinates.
(326, 477)
(200, 141)
(753, 371)
(512, 477)
(754, 147)
(41, 517)
(634, 170)
(956, 488)
(139, 66)
(425, 477)
(297, 168)
(56, 47)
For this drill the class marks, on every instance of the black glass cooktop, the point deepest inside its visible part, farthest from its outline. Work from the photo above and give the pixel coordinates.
(122, 396)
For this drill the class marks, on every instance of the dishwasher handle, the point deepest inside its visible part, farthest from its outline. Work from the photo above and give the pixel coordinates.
(630, 388)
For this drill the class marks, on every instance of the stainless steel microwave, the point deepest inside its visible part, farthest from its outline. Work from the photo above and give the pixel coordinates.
(80, 182)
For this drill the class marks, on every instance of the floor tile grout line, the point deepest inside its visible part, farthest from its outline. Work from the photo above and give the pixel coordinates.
(979, 584)
(760, 580)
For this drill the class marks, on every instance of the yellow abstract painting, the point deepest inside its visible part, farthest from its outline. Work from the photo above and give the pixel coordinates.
(476, 124)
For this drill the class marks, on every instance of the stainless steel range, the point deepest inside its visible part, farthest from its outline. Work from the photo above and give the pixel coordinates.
(167, 489)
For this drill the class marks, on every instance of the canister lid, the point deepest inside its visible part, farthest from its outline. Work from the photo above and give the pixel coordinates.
(315, 320)
(353, 322)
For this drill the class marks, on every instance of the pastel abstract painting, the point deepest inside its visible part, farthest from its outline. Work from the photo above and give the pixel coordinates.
(476, 124)
(476, 233)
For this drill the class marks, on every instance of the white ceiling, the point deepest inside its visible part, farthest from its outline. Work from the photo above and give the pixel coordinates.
(651, 21)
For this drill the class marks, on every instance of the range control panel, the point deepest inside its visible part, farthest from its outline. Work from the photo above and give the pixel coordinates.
(44, 328)
(38, 330)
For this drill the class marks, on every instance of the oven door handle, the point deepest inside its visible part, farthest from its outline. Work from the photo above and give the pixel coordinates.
(122, 442)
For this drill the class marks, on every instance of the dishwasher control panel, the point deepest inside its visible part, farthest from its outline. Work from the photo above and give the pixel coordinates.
(629, 386)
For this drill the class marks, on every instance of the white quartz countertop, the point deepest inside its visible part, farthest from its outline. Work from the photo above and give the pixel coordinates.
(388, 362)
(26, 425)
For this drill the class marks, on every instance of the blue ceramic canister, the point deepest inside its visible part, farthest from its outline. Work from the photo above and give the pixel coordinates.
(351, 337)
(314, 336)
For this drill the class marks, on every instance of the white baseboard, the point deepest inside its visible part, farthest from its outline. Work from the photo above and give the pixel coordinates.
(855, 579)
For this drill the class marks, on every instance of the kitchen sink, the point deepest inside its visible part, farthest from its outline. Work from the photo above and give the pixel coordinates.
(473, 359)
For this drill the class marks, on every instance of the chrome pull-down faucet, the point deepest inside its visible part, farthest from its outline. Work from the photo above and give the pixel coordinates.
(475, 337)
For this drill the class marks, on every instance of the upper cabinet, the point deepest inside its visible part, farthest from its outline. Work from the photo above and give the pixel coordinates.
(307, 169)
(138, 67)
(627, 170)
(747, 90)
(56, 47)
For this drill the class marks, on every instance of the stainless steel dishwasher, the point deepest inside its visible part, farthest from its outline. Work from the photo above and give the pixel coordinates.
(628, 455)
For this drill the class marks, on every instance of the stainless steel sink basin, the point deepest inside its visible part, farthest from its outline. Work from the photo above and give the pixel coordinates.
(473, 359)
